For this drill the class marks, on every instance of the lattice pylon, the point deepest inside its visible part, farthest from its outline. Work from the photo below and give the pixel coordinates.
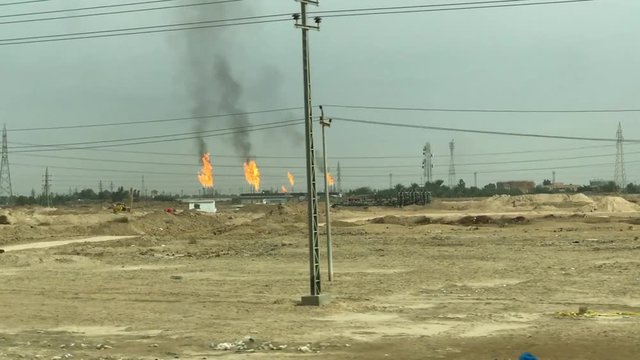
(6, 192)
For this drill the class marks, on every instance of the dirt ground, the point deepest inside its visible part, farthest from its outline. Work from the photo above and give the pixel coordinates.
(557, 276)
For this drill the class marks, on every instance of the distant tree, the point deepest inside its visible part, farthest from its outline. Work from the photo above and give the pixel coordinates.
(632, 188)
(489, 190)
(546, 182)
(87, 194)
(365, 190)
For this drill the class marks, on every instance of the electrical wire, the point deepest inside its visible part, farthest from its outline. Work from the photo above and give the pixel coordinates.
(486, 132)
(161, 141)
(120, 32)
(83, 8)
(455, 8)
(189, 26)
(482, 110)
(23, 2)
(197, 133)
(153, 121)
(110, 12)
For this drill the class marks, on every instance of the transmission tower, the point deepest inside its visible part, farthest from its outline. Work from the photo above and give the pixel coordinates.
(427, 163)
(452, 167)
(619, 175)
(100, 187)
(6, 193)
(46, 188)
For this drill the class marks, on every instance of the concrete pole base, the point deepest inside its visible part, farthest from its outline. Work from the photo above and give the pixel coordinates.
(315, 300)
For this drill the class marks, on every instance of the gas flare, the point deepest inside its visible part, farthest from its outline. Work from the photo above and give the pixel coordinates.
(206, 172)
(330, 180)
(252, 174)
(283, 189)
(292, 179)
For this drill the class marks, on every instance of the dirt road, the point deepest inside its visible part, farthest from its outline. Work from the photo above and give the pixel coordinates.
(49, 244)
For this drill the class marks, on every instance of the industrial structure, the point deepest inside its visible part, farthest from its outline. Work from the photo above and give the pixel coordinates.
(203, 205)
(619, 176)
(6, 192)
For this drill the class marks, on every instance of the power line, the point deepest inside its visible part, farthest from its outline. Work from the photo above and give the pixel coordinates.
(23, 2)
(110, 33)
(486, 132)
(154, 121)
(482, 110)
(246, 21)
(415, 7)
(454, 8)
(110, 12)
(159, 141)
(83, 8)
(198, 133)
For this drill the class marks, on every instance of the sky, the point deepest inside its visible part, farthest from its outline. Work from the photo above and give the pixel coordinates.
(575, 56)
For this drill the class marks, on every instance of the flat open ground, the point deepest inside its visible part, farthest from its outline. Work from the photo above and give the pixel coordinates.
(485, 279)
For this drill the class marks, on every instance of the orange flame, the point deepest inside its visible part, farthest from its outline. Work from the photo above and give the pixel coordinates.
(283, 189)
(206, 172)
(252, 174)
(330, 180)
(292, 179)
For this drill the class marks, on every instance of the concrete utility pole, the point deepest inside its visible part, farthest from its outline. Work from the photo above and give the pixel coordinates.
(553, 177)
(315, 298)
(325, 123)
(391, 181)
(475, 180)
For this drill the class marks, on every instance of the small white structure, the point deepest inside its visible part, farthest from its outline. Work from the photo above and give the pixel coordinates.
(205, 205)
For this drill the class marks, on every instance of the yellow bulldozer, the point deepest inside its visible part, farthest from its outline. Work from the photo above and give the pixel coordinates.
(120, 207)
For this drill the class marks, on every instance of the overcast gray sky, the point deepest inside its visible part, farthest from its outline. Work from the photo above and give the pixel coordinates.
(570, 56)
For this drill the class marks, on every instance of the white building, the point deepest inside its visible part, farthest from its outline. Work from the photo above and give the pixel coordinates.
(205, 205)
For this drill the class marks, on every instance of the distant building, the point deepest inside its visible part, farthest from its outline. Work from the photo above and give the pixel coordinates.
(203, 205)
(562, 187)
(523, 186)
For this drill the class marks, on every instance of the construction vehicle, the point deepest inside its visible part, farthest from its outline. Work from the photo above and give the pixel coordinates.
(120, 207)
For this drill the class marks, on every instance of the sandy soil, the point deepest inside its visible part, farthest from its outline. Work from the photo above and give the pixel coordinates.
(484, 279)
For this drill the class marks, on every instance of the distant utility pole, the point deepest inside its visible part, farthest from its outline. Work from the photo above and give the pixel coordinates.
(619, 175)
(325, 123)
(100, 187)
(475, 179)
(6, 192)
(46, 188)
(315, 298)
(553, 177)
(427, 163)
(110, 186)
(143, 190)
(390, 181)
(452, 167)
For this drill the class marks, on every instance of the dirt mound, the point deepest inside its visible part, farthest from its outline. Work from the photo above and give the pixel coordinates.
(402, 220)
(613, 204)
(546, 202)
